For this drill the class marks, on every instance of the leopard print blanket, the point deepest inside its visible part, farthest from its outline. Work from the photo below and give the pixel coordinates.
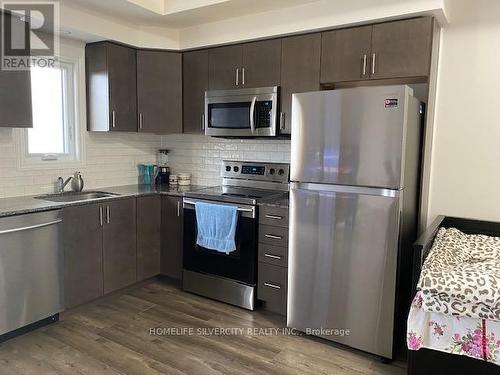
(461, 275)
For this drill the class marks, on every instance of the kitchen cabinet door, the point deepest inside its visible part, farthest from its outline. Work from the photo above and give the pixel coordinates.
(300, 70)
(15, 93)
(111, 87)
(159, 91)
(119, 244)
(402, 48)
(224, 67)
(345, 54)
(261, 63)
(122, 72)
(83, 269)
(148, 236)
(171, 237)
(195, 81)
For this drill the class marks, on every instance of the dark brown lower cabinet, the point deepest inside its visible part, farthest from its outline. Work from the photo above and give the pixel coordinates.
(171, 237)
(119, 244)
(272, 275)
(82, 238)
(148, 236)
(272, 287)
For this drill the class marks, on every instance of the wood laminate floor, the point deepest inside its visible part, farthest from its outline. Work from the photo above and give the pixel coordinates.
(112, 336)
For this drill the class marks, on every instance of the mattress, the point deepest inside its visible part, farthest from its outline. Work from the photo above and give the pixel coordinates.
(461, 275)
(473, 337)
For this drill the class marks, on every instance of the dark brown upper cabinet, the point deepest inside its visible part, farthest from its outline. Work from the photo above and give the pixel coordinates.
(111, 87)
(256, 64)
(15, 92)
(195, 83)
(402, 48)
(345, 54)
(261, 65)
(159, 91)
(224, 67)
(300, 70)
(399, 49)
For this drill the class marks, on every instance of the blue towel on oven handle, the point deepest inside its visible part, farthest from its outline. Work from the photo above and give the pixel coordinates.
(216, 226)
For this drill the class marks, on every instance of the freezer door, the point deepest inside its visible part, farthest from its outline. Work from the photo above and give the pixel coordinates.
(342, 265)
(350, 136)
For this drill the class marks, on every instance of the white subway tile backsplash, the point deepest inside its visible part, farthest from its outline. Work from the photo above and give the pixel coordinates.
(202, 156)
(109, 159)
(112, 159)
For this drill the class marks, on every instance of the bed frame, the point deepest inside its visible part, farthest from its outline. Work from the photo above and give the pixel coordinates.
(427, 361)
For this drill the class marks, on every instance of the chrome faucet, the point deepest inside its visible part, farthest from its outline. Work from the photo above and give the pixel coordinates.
(61, 184)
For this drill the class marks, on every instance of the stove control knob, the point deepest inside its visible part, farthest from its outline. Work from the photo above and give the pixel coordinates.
(272, 171)
(236, 169)
(228, 169)
(281, 172)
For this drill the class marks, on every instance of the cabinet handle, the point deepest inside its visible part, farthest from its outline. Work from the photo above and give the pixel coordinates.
(243, 76)
(274, 217)
(108, 214)
(113, 119)
(364, 64)
(282, 120)
(237, 76)
(178, 209)
(100, 216)
(203, 122)
(141, 121)
(374, 56)
(273, 237)
(272, 256)
(274, 286)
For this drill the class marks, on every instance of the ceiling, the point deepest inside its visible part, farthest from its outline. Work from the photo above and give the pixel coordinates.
(182, 13)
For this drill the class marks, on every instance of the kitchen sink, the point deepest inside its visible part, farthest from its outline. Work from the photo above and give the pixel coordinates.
(76, 197)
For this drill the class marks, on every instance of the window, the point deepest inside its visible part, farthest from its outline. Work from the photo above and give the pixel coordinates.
(53, 136)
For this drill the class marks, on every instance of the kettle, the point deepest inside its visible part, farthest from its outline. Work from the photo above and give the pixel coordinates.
(77, 182)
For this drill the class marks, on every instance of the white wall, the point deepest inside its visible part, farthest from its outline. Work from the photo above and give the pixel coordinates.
(465, 174)
(317, 15)
(89, 25)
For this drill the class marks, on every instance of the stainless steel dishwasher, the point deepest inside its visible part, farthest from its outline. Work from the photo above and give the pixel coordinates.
(30, 269)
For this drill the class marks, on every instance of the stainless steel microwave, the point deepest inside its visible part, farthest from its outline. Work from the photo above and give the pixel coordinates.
(248, 112)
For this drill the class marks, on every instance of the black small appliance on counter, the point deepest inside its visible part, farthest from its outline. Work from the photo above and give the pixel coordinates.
(162, 176)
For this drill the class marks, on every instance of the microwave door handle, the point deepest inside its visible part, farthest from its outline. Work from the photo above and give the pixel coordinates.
(252, 113)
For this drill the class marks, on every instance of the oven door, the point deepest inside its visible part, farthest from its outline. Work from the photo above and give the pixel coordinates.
(239, 265)
(252, 114)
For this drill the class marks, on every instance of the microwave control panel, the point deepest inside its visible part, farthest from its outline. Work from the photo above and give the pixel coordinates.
(263, 111)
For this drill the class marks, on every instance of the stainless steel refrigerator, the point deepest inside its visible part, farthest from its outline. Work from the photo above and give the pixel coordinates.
(353, 213)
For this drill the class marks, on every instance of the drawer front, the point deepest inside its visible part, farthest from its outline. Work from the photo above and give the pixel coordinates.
(276, 216)
(271, 287)
(276, 236)
(275, 255)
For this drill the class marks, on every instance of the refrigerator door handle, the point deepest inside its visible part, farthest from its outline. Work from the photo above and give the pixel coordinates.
(392, 193)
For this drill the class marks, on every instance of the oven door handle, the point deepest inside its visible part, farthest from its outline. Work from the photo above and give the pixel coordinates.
(241, 209)
(252, 115)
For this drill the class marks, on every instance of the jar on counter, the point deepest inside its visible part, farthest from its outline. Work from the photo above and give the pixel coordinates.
(173, 180)
(184, 179)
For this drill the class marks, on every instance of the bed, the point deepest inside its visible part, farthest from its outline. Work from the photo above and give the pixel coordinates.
(449, 339)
